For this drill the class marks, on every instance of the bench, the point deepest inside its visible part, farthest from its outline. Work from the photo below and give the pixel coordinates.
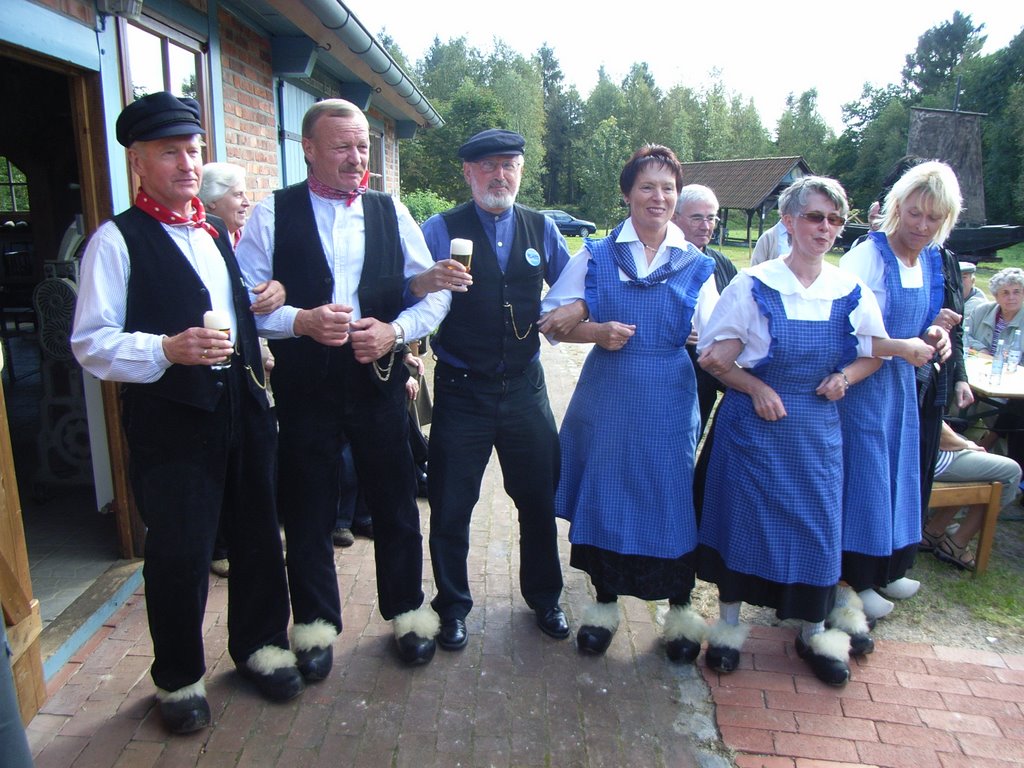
(984, 496)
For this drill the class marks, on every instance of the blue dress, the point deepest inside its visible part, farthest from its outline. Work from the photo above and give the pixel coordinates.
(881, 447)
(770, 525)
(630, 432)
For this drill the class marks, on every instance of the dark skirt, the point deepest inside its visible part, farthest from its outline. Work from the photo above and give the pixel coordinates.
(866, 571)
(649, 578)
(790, 601)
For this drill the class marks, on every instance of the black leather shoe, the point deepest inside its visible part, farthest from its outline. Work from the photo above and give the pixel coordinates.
(552, 622)
(315, 664)
(363, 529)
(721, 658)
(453, 635)
(595, 640)
(827, 669)
(415, 650)
(861, 644)
(682, 650)
(186, 716)
(282, 684)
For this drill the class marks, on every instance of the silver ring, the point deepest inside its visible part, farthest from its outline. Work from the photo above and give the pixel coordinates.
(203, 353)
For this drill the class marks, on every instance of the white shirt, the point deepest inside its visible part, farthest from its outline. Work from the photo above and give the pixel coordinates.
(342, 231)
(737, 317)
(99, 340)
(571, 284)
(867, 263)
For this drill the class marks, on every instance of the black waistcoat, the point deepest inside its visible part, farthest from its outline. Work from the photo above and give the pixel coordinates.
(484, 326)
(301, 264)
(166, 296)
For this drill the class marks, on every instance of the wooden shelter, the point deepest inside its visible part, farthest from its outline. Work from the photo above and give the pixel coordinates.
(752, 186)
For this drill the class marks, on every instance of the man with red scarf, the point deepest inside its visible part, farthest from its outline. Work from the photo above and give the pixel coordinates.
(346, 255)
(201, 435)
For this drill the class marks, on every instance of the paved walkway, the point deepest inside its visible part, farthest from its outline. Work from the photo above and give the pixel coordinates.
(515, 697)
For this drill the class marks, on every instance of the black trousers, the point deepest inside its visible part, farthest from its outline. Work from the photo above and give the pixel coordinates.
(186, 466)
(316, 418)
(472, 416)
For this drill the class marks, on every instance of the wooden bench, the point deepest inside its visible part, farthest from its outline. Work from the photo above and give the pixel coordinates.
(983, 496)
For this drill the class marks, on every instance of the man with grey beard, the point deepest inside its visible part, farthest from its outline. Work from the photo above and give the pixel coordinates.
(489, 390)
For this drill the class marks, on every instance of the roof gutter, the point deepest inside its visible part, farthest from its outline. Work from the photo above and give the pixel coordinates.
(337, 18)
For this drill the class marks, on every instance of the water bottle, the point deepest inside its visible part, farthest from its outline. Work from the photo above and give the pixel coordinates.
(1013, 354)
(996, 376)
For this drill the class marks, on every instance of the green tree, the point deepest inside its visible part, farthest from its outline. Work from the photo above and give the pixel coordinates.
(424, 203)
(430, 161)
(803, 131)
(516, 84)
(749, 137)
(940, 52)
(446, 66)
(641, 117)
(607, 150)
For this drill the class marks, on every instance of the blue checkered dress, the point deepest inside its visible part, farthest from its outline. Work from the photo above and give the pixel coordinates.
(629, 435)
(770, 526)
(879, 416)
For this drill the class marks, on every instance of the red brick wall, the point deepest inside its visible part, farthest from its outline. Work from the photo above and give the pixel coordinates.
(249, 108)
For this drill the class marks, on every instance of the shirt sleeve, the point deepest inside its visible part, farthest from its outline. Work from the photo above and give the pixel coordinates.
(423, 317)
(571, 283)
(98, 338)
(707, 300)
(255, 256)
(557, 250)
(735, 316)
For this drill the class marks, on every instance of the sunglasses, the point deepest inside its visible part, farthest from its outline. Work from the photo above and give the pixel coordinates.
(816, 217)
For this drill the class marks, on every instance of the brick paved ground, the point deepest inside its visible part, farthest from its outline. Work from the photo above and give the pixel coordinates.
(517, 698)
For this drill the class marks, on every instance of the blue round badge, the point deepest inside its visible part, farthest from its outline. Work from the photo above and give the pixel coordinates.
(532, 257)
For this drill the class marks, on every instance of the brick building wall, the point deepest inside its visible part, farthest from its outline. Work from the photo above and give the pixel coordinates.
(249, 109)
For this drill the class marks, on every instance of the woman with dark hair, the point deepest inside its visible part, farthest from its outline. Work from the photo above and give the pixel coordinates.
(789, 338)
(629, 435)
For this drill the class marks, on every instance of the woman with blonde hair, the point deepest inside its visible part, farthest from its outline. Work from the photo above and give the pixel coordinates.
(902, 266)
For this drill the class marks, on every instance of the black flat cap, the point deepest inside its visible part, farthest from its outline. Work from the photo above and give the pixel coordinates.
(158, 116)
(494, 141)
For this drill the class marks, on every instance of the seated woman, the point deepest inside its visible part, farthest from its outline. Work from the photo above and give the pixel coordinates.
(788, 337)
(989, 322)
(962, 460)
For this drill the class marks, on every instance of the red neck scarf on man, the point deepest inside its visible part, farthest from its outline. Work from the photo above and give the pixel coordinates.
(320, 189)
(166, 216)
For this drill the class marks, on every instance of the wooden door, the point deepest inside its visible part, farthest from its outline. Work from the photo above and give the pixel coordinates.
(21, 611)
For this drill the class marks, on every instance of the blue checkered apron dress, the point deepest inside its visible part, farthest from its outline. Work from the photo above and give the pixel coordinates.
(629, 435)
(879, 416)
(771, 521)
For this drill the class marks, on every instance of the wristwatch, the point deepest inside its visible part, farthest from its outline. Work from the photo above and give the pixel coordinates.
(399, 335)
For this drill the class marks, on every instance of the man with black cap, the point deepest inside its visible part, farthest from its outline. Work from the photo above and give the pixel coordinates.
(489, 387)
(196, 414)
(345, 254)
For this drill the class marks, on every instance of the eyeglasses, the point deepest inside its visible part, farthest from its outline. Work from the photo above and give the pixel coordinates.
(490, 166)
(698, 219)
(816, 217)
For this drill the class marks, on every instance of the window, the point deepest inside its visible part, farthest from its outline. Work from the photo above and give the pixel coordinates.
(13, 188)
(158, 57)
(376, 161)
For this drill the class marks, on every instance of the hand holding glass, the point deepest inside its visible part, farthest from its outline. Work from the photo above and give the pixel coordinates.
(218, 320)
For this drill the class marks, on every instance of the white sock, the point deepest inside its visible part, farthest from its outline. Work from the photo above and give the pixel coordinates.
(730, 613)
(875, 606)
(810, 629)
(901, 589)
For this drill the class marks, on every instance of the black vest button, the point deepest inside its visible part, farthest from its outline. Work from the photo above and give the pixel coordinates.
(219, 384)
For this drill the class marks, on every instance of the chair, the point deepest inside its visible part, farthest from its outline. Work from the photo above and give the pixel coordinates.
(985, 496)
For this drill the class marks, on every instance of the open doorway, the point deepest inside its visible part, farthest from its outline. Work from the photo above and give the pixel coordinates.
(70, 543)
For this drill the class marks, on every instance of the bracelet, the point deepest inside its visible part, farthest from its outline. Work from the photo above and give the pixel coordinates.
(846, 381)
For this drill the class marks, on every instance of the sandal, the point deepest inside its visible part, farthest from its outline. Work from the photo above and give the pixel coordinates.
(948, 551)
(929, 541)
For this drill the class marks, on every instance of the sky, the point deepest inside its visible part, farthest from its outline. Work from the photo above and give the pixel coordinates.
(759, 50)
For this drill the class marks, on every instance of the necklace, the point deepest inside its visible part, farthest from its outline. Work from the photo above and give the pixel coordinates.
(647, 247)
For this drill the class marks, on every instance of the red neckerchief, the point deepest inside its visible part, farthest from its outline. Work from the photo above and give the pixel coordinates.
(165, 216)
(236, 237)
(320, 189)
